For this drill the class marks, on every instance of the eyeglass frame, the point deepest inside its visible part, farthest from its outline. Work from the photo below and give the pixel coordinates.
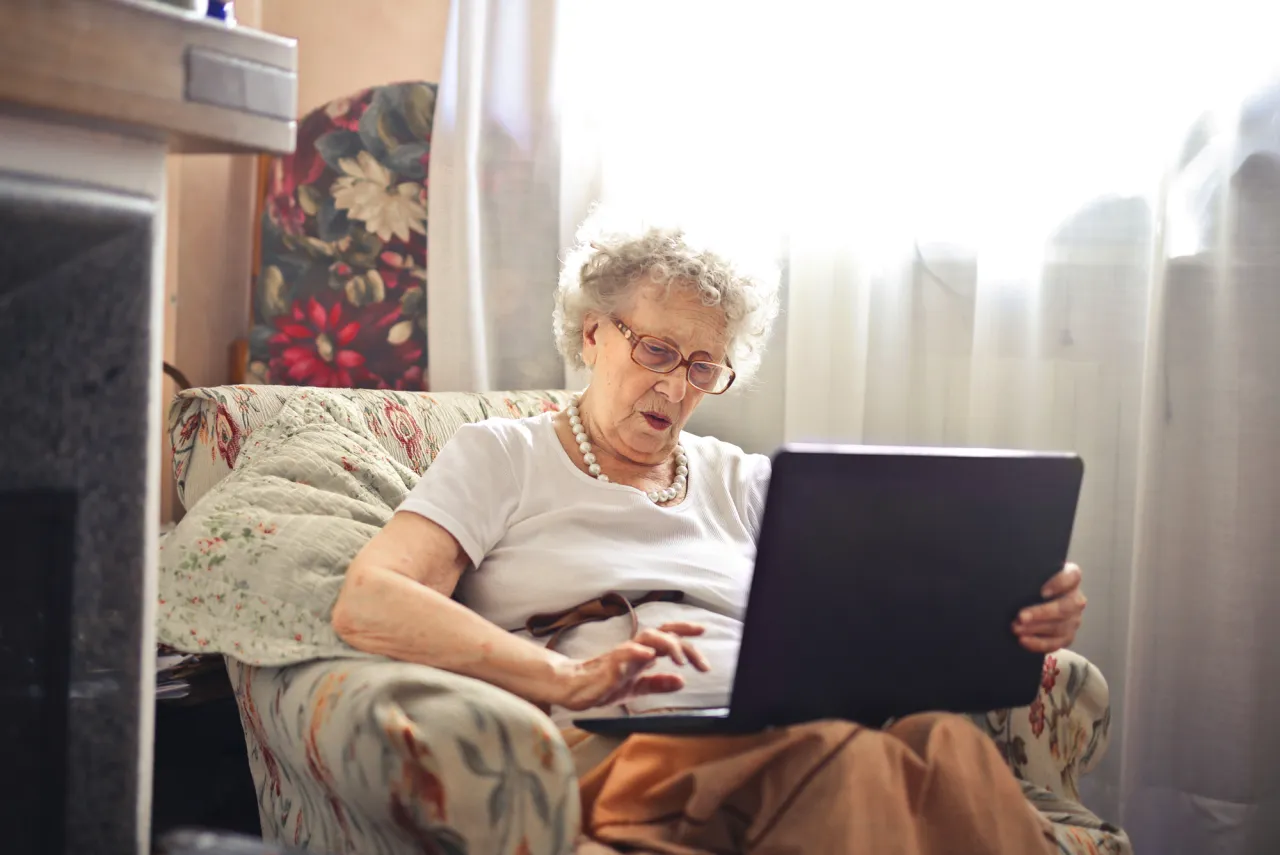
(634, 338)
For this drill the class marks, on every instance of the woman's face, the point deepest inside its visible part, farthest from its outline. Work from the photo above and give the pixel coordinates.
(635, 412)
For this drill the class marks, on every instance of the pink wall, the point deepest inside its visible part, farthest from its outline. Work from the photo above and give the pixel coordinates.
(344, 46)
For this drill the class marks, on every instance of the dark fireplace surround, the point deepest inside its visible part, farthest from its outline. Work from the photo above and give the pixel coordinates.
(78, 376)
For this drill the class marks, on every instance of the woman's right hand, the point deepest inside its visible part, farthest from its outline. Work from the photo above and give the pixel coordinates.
(620, 674)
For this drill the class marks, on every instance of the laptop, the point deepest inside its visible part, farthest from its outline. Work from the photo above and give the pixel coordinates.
(886, 583)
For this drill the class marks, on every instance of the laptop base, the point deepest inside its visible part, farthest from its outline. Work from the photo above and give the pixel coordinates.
(693, 722)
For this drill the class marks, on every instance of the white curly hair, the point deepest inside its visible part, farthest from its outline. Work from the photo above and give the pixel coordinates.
(609, 258)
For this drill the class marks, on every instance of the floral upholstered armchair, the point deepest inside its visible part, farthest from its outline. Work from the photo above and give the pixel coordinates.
(340, 296)
(360, 754)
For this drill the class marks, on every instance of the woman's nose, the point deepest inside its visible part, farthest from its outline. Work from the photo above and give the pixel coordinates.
(673, 386)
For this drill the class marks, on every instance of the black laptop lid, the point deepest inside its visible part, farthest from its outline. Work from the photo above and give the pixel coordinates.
(887, 581)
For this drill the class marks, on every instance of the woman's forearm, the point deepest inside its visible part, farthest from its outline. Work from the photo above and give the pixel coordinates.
(381, 611)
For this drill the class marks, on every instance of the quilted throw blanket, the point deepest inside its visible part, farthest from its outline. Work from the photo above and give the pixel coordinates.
(252, 571)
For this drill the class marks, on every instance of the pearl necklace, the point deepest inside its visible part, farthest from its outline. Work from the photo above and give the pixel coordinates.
(658, 497)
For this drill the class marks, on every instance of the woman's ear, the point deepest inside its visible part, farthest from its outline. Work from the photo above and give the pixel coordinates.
(590, 327)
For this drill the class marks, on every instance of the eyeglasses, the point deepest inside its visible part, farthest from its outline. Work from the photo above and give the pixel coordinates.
(661, 358)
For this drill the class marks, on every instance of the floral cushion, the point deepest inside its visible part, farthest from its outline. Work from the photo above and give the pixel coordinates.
(253, 568)
(340, 298)
(208, 428)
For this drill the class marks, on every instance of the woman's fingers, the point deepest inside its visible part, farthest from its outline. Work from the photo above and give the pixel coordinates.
(631, 652)
(670, 640)
(1052, 629)
(1048, 636)
(683, 628)
(656, 684)
(1043, 613)
(1066, 607)
(695, 657)
(1067, 579)
(665, 643)
(1052, 625)
(633, 659)
(629, 677)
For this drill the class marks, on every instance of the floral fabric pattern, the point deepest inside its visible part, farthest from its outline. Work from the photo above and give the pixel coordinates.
(1075, 829)
(340, 299)
(389, 757)
(254, 567)
(206, 426)
(1063, 733)
(355, 753)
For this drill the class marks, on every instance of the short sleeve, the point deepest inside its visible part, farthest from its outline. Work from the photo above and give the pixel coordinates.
(756, 472)
(469, 490)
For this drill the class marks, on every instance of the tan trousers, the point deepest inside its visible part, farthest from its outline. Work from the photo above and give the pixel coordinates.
(928, 785)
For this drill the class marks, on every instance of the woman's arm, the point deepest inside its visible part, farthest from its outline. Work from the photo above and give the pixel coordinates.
(395, 601)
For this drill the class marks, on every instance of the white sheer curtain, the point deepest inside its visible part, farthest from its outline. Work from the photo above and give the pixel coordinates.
(494, 200)
(994, 233)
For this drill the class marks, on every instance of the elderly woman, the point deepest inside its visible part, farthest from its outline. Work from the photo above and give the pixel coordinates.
(533, 518)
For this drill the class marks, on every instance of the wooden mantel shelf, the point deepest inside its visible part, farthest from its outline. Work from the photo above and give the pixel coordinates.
(197, 84)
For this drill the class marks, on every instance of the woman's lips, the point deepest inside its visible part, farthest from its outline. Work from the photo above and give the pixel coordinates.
(656, 421)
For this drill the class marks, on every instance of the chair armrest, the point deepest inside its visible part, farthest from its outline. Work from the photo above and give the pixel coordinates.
(1063, 733)
(353, 755)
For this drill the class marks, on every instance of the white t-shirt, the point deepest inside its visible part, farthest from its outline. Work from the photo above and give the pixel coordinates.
(544, 536)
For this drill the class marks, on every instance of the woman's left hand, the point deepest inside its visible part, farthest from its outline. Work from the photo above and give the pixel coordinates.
(1052, 625)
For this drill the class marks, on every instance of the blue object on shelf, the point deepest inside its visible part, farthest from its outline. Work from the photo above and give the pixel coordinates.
(223, 10)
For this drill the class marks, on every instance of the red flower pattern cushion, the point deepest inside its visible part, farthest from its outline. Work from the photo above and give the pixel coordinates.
(340, 297)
